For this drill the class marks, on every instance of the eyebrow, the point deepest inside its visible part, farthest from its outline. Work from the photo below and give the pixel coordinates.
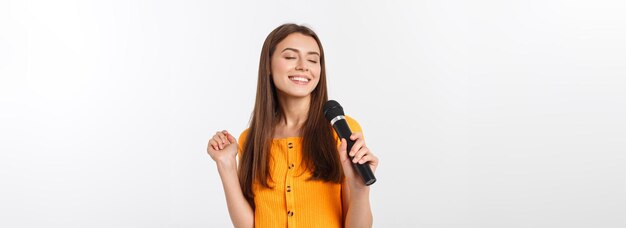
(298, 51)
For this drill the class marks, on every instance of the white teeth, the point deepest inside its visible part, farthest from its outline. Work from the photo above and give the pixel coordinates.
(299, 79)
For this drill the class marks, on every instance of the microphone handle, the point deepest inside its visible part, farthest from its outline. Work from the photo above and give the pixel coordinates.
(364, 170)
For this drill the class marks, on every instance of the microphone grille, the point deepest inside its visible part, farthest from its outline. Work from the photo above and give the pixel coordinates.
(332, 109)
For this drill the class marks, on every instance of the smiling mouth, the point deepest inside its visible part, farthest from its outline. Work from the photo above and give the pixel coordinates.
(299, 80)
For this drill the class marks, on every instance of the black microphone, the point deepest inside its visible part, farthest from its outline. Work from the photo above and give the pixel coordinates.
(334, 113)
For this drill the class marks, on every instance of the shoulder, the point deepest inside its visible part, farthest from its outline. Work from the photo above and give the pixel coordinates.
(354, 127)
(243, 136)
(241, 141)
(353, 124)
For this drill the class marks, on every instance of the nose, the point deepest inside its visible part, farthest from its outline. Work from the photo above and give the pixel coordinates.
(301, 65)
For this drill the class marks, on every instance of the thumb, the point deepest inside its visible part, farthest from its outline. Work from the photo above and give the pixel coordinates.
(231, 138)
(345, 162)
(343, 155)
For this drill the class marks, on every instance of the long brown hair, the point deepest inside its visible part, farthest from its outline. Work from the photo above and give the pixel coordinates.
(318, 144)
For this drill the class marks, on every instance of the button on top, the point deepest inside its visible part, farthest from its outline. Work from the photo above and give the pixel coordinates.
(290, 145)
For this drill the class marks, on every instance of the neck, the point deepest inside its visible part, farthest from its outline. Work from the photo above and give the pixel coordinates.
(295, 110)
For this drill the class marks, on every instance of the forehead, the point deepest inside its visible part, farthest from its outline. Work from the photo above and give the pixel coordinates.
(298, 41)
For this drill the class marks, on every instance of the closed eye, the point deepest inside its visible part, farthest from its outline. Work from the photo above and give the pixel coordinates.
(313, 61)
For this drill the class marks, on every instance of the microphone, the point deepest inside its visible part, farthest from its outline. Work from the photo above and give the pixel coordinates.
(334, 113)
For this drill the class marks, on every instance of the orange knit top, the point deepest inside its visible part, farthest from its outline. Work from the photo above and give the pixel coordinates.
(294, 201)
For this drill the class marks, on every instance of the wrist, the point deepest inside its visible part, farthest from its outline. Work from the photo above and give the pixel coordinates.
(226, 163)
(357, 186)
(359, 196)
(360, 190)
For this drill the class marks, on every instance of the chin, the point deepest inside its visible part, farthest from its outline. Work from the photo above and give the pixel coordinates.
(297, 94)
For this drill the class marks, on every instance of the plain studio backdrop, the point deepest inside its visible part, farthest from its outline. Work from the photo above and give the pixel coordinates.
(483, 113)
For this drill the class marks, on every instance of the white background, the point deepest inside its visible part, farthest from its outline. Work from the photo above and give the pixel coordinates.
(484, 113)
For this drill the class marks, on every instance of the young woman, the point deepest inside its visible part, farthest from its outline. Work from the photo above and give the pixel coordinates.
(293, 171)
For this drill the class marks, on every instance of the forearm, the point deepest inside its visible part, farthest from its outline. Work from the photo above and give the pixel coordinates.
(241, 213)
(359, 211)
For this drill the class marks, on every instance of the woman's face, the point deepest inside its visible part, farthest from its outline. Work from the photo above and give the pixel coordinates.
(296, 65)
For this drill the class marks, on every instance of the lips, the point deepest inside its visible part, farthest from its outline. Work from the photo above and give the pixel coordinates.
(301, 80)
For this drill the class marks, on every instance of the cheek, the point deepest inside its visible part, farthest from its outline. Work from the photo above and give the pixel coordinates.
(317, 77)
(317, 71)
(279, 66)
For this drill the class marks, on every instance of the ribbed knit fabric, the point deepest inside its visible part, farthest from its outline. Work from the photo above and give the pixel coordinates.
(294, 201)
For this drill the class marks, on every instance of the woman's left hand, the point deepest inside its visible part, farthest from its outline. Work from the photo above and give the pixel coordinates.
(359, 154)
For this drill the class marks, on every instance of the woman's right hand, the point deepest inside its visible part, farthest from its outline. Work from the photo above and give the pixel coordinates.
(222, 147)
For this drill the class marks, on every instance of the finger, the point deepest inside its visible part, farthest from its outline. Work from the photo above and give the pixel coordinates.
(222, 137)
(373, 162)
(345, 163)
(213, 144)
(231, 139)
(342, 150)
(225, 132)
(356, 135)
(359, 154)
(358, 144)
(367, 158)
(219, 141)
